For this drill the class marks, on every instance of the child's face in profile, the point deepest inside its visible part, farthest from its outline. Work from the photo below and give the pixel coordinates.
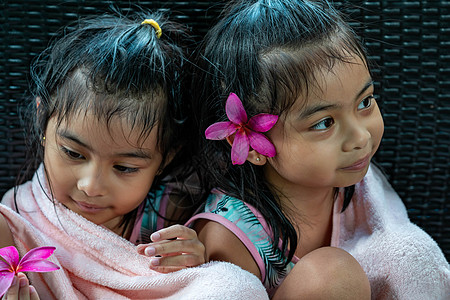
(97, 171)
(329, 140)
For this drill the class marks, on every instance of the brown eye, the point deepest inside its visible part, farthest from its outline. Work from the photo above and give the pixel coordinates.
(324, 124)
(366, 103)
(123, 169)
(71, 154)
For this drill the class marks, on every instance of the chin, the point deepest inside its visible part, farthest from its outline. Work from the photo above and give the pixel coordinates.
(353, 179)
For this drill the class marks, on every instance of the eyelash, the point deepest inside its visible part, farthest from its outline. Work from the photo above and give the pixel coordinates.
(371, 98)
(71, 154)
(76, 156)
(125, 170)
(317, 126)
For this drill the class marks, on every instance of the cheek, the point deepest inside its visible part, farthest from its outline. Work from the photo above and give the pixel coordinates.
(139, 188)
(377, 128)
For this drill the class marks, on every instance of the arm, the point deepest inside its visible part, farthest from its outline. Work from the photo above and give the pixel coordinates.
(223, 245)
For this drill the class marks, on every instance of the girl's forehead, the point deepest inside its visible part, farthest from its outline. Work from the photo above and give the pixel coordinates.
(331, 85)
(114, 128)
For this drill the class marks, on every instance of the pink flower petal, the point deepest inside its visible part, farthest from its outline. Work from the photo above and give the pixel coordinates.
(4, 266)
(239, 150)
(38, 253)
(11, 255)
(261, 144)
(6, 279)
(220, 130)
(262, 122)
(37, 265)
(235, 110)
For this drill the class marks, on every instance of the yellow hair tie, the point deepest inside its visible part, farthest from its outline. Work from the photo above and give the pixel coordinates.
(155, 25)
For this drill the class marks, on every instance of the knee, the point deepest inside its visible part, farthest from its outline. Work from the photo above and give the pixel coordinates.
(325, 273)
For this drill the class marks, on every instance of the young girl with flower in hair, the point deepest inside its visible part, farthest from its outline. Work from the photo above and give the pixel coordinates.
(109, 124)
(285, 86)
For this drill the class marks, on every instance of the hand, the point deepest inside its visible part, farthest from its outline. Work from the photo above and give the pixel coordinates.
(21, 289)
(173, 248)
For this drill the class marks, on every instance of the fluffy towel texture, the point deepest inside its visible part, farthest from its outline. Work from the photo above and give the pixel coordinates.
(400, 259)
(98, 264)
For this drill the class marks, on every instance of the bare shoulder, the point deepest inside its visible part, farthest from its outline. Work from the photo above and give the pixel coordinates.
(223, 245)
(6, 238)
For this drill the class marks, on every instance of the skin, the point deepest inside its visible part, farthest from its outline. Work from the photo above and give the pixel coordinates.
(333, 135)
(21, 289)
(110, 175)
(97, 172)
(102, 173)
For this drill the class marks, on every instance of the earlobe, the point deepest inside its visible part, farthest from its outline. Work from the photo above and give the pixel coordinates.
(256, 158)
(253, 157)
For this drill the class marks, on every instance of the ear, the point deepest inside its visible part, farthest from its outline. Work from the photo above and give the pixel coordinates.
(254, 156)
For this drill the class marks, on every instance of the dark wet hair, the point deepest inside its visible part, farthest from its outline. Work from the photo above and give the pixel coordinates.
(114, 66)
(267, 52)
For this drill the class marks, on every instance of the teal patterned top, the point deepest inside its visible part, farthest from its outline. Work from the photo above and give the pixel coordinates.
(250, 227)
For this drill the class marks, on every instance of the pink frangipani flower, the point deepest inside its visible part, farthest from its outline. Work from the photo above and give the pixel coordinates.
(33, 261)
(248, 134)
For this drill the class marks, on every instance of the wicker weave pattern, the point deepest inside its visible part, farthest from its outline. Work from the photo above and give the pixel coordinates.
(408, 40)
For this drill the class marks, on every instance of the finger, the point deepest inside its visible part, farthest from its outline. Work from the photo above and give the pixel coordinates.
(13, 291)
(166, 248)
(33, 293)
(183, 261)
(172, 232)
(141, 248)
(24, 289)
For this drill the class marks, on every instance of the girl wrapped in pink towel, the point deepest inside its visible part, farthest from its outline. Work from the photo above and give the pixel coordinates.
(109, 124)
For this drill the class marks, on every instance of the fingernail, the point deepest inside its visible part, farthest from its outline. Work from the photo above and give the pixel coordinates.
(150, 251)
(155, 236)
(155, 262)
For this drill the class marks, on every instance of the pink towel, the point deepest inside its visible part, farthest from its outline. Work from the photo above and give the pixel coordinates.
(98, 264)
(400, 259)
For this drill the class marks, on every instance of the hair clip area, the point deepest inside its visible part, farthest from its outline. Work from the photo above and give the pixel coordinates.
(155, 25)
(248, 133)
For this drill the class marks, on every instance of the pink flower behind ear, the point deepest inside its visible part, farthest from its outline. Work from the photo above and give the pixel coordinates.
(248, 134)
(33, 261)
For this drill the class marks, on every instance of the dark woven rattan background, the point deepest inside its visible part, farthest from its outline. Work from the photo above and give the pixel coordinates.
(408, 40)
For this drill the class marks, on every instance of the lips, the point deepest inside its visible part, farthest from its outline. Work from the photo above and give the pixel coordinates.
(88, 208)
(359, 165)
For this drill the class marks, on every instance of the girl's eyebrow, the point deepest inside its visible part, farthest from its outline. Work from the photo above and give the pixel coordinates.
(138, 153)
(308, 111)
(368, 84)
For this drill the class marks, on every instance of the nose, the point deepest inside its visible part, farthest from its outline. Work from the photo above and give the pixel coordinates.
(92, 181)
(357, 136)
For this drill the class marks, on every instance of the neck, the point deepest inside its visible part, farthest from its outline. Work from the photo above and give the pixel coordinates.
(114, 226)
(308, 202)
(311, 212)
